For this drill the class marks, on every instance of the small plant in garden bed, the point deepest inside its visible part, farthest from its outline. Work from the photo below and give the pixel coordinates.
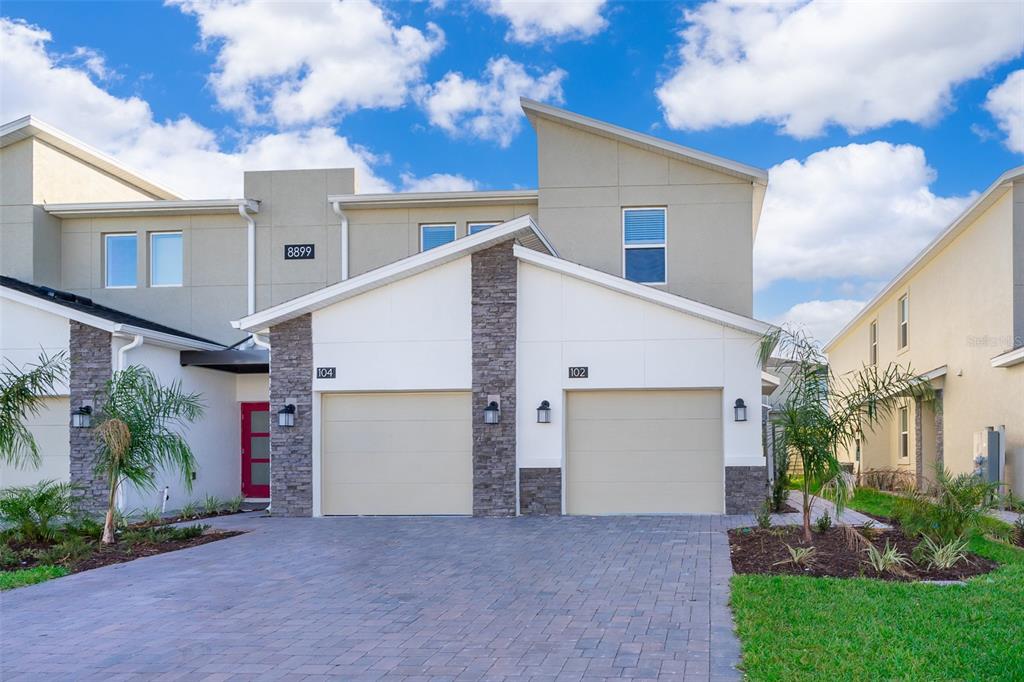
(838, 552)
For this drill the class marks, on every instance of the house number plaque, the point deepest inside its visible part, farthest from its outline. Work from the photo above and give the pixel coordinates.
(326, 372)
(299, 251)
(579, 372)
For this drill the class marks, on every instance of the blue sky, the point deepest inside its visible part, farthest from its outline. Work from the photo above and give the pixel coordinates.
(878, 124)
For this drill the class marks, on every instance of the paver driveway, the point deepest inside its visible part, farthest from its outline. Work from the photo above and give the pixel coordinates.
(394, 598)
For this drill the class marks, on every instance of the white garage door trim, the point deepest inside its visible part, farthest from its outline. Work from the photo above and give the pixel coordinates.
(700, 419)
(361, 432)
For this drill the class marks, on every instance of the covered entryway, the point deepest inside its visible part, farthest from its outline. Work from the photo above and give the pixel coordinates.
(397, 453)
(644, 452)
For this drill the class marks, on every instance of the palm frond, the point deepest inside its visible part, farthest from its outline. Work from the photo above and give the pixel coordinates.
(23, 391)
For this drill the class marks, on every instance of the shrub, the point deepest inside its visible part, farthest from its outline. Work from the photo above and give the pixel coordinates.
(824, 523)
(152, 516)
(234, 505)
(211, 505)
(186, 532)
(31, 511)
(1018, 531)
(941, 556)
(888, 560)
(86, 528)
(764, 515)
(958, 507)
(71, 550)
(189, 510)
(8, 558)
(889, 480)
(804, 557)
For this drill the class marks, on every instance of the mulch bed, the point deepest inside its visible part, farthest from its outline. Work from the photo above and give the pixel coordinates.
(105, 555)
(758, 551)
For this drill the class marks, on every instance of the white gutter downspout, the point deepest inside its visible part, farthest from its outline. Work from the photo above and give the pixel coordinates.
(123, 351)
(336, 207)
(243, 210)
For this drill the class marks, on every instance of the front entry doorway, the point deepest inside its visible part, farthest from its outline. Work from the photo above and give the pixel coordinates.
(256, 450)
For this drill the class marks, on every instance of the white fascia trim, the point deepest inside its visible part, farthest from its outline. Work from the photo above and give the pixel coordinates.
(158, 338)
(642, 291)
(29, 126)
(994, 192)
(155, 207)
(1009, 358)
(770, 379)
(422, 199)
(753, 174)
(518, 227)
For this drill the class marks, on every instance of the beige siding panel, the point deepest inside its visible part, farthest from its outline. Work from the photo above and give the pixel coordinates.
(397, 453)
(644, 452)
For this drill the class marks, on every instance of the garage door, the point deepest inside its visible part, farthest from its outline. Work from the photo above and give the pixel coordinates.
(397, 453)
(644, 452)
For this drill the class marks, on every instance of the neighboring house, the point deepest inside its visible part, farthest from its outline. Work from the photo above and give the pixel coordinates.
(955, 314)
(394, 319)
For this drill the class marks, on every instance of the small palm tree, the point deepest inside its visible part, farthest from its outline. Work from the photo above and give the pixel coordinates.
(22, 393)
(823, 413)
(138, 424)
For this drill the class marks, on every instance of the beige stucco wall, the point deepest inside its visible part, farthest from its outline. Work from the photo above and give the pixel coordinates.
(58, 177)
(584, 182)
(383, 235)
(961, 315)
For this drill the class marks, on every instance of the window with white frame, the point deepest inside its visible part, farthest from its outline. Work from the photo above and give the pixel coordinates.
(904, 415)
(166, 259)
(480, 227)
(904, 319)
(432, 236)
(643, 245)
(120, 257)
(873, 347)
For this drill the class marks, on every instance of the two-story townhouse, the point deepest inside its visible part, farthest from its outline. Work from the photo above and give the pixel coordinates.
(955, 314)
(411, 333)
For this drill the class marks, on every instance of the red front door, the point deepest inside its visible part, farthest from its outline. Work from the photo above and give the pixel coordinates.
(256, 449)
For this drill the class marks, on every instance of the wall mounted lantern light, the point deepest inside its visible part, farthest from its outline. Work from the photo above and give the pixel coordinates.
(286, 415)
(82, 417)
(492, 413)
(544, 412)
(740, 408)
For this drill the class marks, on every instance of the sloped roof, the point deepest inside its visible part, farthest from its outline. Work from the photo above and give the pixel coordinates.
(29, 126)
(90, 312)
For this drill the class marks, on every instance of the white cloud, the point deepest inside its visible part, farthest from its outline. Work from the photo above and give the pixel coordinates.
(437, 182)
(806, 65)
(532, 21)
(303, 62)
(488, 108)
(863, 210)
(1006, 104)
(821, 319)
(181, 153)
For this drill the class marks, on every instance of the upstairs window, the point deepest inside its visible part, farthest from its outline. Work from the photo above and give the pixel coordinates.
(480, 227)
(873, 344)
(904, 319)
(166, 261)
(432, 236)
(120, 256)
(643, 245)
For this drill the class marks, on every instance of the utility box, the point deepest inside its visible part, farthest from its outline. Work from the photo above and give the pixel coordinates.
(988, 455)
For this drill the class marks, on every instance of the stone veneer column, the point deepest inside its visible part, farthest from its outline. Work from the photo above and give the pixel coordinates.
(940, 438)
(291, 447)
(745, 488)
(540, 491)
(494, 295)
(91, 367)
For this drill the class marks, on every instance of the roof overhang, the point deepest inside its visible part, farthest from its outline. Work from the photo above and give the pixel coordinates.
(534, 109)
(1010, 358)
(994, 193)
(769, 382)
(427, 199)
(28, 126)
(234, 360)
(522, 229)
(644, 292)
(115, 328)
(157, 207)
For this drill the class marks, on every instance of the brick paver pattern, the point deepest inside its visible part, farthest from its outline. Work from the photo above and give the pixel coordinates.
(542, 598)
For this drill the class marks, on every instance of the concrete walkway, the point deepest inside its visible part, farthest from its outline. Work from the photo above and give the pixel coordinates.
(819, 507)
(571, 598)
(1010, 517)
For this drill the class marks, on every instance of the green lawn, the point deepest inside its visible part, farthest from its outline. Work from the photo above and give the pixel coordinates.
(797, 628)
(30, 576)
